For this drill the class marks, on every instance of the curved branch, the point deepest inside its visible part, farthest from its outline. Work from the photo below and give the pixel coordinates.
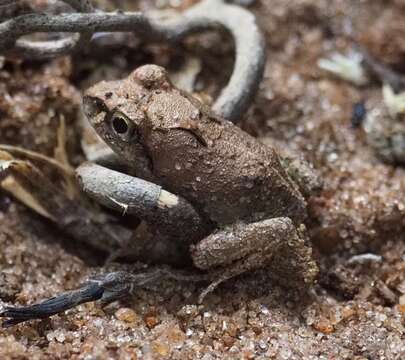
(53, 48)
(250, 58)
(234, 99)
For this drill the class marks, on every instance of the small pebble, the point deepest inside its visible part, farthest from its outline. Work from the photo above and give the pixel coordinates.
(358, 114)
(324, 326)
(161, 348)
(125, 314)
(151, 321)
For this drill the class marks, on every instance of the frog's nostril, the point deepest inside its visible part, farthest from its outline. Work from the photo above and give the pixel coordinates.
(91, 106)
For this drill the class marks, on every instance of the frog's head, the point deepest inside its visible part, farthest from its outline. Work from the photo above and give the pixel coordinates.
(117, 110)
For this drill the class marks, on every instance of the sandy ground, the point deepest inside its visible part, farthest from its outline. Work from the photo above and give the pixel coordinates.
(356, 311)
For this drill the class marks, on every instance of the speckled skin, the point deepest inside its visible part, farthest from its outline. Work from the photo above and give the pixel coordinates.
(228, 176)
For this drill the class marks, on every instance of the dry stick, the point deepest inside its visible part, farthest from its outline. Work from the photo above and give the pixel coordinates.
(381, 71)
(8, 7)
(106, 288)
(250, 59)
(209, 14)
(148, 201)
(55, 47)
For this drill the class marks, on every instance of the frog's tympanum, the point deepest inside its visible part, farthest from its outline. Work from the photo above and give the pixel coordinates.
(240, 209)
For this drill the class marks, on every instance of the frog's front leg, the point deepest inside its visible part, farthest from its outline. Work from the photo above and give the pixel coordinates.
(274, 243)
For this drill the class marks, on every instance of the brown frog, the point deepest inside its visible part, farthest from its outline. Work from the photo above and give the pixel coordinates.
(236, 184)
(201, 180)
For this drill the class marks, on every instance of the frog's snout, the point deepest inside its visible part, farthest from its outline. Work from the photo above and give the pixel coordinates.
(92, 106)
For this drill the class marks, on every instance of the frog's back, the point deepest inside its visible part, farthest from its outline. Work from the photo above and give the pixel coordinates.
(223, 171)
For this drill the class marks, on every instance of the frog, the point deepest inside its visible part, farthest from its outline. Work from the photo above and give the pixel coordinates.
(199, 178)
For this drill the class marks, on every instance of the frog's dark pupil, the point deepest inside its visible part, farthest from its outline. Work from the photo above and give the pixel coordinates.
(120, 125)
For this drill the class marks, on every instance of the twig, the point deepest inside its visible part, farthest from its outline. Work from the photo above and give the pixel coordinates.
(106, 288)
(43, 49)
(209, 14)
(158, 207)
(381, 71)
(250, 58)
(364, 258)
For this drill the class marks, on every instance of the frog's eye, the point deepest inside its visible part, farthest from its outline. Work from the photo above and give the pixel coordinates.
(122, 126)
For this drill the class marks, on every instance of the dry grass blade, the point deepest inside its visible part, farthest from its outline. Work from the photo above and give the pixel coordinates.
(10, 184)
(62, 157)
(32, 155)
(32, 187)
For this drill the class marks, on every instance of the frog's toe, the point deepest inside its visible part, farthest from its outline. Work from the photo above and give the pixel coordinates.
(214, 284)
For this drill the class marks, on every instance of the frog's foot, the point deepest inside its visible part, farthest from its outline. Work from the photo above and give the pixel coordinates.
(106, 288)
(275, 244)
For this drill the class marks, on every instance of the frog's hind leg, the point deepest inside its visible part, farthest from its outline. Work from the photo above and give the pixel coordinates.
(275, 244)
